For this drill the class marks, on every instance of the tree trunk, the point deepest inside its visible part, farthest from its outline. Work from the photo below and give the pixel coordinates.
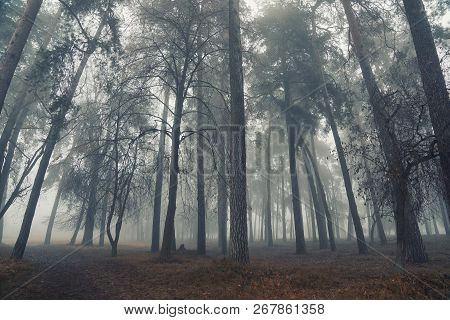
(52, 139)
(156, 224)
(292, 144)
(169, 226)
(101, 241)
(407, 230)
(15, 47)
(78, 226)
(283, 204)
(312, 215)
(250, 217)
(433, 82)
(436, 229)
(51, 220)
(428, 228)
(362, 247)
(361, 241)
(238, 180)
(222, 196)
(261, 221)
(268, 213)
(376, 207)
(349, 227)
(201, 210)
(307, 155)
(97, 160)
(369, 220)
(320, 216)
(222, 192)
(58, 121)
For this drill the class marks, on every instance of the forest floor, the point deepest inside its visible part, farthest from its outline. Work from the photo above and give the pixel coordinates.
(63, 272)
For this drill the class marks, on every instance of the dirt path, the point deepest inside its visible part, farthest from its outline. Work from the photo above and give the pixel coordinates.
(275, 273)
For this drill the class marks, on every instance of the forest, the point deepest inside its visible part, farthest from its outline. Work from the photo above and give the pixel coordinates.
(208, 149)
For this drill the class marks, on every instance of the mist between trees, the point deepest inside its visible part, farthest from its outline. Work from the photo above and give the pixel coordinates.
(199, 120)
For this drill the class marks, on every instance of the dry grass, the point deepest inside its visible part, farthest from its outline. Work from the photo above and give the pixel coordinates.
(274, 273)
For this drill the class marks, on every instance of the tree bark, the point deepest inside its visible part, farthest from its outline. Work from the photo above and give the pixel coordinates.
(300, 245)
(238, 182)
(222, 195)
(201, 210)
(156, 224)
(101, 241)
(169, 226)
(433, 82)
(15, 47)
(376, 207)
(320, 216)
(250, 217)
(283, 205)
(51, 221)
(78, 226)
(308, 156)
(436, 229)
(268, 213)
(89, 225)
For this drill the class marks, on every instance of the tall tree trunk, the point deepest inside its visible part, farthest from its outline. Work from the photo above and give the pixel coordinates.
(408, 237)
(362, 247)
(375, 203)
(78, 225)
(201, 210)
(283, 204)
(222, 192)
(238, 180)
(261, 221)
(337, 220)
(436, 229)
(268, 213)
(312, 212)
(320, 217)
(58, 121)
(428, 228)
(250, 217)
(156, 224)
(222, 195)
(361, 241)
(101, 241)
(15, 47)
(169, 226)
(300, 245)
(51, 221)
(92, 203)
(349, 227)
(308, 156)
(433, 82)
(369, 220)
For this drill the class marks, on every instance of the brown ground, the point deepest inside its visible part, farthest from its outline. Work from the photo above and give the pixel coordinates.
(276, 273)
